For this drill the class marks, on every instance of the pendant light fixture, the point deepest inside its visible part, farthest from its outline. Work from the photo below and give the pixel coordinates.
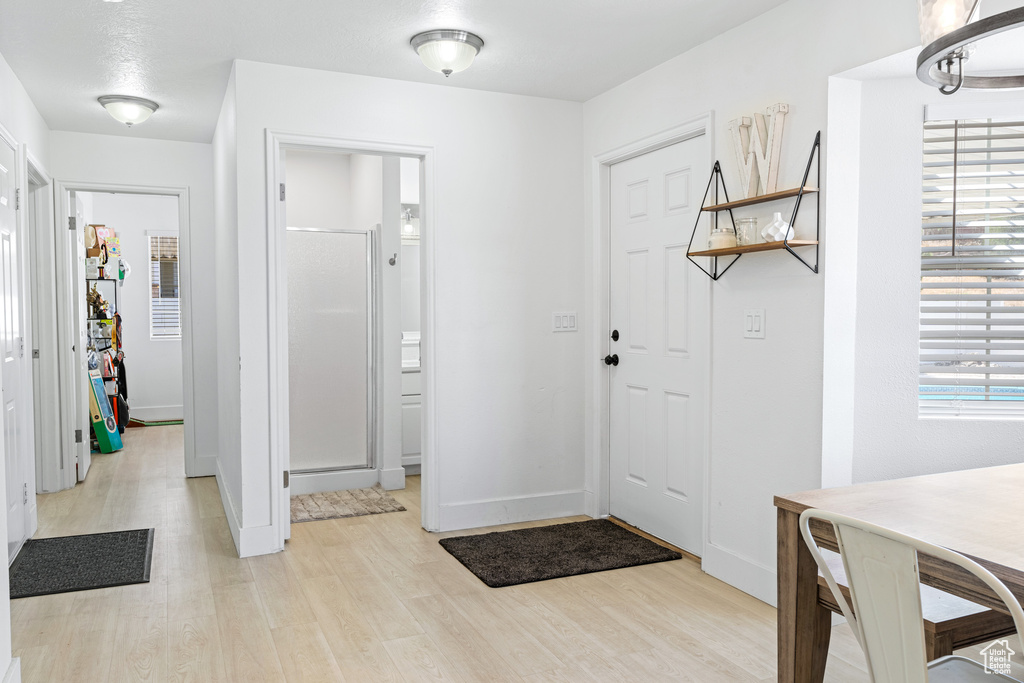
(948, 30)
(128, 110)
(447, 51)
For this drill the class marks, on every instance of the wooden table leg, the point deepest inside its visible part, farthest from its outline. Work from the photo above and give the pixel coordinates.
(804, 625)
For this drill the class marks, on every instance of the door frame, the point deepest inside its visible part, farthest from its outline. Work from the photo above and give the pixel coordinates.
(36, 209)
(276, 142)
(598, 412)
(307, 481)
(65, 309)
(24, 170)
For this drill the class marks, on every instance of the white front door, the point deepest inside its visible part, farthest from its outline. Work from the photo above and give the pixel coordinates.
(660, 309)
(12, 354)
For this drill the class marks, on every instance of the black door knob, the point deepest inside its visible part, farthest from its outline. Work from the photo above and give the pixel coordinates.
(612, 359)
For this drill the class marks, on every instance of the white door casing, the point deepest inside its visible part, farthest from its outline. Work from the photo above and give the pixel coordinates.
(70, 307)
(276, 144)
(659, 305)
(14, 362)
(76, 251)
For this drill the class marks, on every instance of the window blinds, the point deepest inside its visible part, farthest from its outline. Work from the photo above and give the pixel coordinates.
(165, 312)
(972, 269)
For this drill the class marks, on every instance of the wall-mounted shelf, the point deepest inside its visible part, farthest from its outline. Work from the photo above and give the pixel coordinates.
(715, 209)
(750, 248)
(761, 199)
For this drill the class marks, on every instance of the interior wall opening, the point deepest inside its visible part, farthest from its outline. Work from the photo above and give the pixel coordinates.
(352, 273)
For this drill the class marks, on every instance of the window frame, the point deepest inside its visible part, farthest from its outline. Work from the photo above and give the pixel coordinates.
(150, 234)
(960, 406)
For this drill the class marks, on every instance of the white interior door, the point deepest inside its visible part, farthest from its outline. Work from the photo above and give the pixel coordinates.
(16, 407)
(659, 306)
(76, 250)
(330, 350)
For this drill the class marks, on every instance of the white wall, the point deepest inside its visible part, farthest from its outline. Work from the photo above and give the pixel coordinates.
(318, 189)
(766, 401)
(890, 440)
(367, 191)
(20, 117)
(229, 362)
(153, 366)
(85, 157)
(22, 120)
(508, 227)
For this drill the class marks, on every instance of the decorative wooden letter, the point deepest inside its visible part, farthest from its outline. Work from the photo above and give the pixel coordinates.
(758, 145)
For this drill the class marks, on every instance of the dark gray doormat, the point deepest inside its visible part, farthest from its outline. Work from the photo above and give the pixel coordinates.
(509, 558)
(80, 563)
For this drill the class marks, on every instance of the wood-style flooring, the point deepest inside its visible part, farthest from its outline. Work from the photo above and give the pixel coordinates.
(364, 599)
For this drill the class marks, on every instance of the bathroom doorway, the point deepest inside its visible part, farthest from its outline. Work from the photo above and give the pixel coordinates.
(349, 394)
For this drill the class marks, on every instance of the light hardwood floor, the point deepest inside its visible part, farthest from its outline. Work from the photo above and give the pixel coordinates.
(363, 600)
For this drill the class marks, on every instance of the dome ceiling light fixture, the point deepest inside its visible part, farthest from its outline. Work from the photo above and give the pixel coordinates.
(447, 51)
(948, 34)
(128, 110)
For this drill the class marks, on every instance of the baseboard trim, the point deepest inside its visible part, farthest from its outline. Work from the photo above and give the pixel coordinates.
(234, 522)
(511, 510)
(33, 517)
(318, 482)
(393, 479)
(408, 460)
(750, 577)
(13, 674)
(249, 541)
(411, 470)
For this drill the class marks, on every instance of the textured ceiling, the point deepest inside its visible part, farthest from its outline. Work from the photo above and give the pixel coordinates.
(179, 52)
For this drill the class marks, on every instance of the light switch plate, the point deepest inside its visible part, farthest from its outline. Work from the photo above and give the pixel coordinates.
(753, 323)
(564, 321)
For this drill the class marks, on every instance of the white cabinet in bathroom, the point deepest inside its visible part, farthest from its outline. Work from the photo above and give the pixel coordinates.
(412, 410)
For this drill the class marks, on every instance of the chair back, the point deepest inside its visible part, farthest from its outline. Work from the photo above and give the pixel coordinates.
(884, 582)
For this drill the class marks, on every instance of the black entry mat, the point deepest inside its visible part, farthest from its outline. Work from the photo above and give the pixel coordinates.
(80, 563)
(508, 558)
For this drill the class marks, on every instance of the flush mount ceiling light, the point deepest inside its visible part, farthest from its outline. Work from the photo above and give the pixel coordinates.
(947, 31)
(128, 110)
(447, 51)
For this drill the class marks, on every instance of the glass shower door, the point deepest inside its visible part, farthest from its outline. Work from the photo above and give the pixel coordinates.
(330, 349)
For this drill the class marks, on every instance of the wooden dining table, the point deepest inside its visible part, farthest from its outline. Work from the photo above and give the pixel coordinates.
(978, 513)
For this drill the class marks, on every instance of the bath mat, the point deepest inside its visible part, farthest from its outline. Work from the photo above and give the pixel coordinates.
(79, 563)
(311, 507)
(509, 558)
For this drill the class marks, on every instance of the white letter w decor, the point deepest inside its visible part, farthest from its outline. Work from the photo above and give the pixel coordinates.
(758, 146)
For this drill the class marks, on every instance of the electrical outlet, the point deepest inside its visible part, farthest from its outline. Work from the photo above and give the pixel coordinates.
(754, 323)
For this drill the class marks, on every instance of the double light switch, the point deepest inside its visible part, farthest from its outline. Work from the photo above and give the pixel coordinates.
(753, 323)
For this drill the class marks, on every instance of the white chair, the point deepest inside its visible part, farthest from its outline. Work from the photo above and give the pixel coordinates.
(884, 584)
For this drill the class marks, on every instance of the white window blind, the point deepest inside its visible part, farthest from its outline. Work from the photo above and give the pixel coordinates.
(165, 310)
(972, 269)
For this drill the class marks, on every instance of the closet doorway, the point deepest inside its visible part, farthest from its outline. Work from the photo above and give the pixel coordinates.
(123, 309)
(347, 364)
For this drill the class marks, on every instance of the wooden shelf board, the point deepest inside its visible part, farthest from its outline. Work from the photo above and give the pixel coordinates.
(750, 248)
(749, 201)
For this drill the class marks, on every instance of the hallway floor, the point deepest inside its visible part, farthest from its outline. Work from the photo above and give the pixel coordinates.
(364, 599)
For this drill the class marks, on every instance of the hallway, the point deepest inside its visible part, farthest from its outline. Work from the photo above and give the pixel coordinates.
(364, 599)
